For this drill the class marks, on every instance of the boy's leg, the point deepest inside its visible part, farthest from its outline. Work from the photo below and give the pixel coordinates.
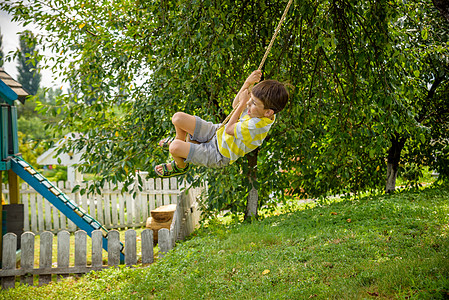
(179, 148)
(184, 124)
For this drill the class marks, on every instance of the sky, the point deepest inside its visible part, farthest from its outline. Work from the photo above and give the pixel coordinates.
(10, 31)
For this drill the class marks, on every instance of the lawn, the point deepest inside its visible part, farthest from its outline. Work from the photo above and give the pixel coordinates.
(372, 247)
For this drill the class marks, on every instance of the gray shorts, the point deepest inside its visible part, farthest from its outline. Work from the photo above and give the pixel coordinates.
(205, 153)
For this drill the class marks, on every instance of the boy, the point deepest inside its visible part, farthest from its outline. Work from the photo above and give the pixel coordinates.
(247, 128)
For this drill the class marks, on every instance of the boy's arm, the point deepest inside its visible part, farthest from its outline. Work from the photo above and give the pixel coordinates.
(241, 99)
(252, 79)
(235, 118)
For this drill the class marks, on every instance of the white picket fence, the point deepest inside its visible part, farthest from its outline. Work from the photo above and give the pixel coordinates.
(112, 209)
(185, 219)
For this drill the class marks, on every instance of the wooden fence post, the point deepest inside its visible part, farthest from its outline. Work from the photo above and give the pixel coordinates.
(151, 197)
(80, 248)
(113, 248)
(97, 248)
(64, 250)
(147, 246)
(159, 197)
(33, 206)
(9, 259)
(25, 201)
(27, 257)
(45, 256)
(163, 241)
(174, 228)
(130, 248)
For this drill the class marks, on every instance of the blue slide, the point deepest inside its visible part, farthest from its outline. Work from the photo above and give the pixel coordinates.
(59, 200)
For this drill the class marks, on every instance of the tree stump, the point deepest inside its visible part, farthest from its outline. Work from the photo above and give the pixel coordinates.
(161, 217)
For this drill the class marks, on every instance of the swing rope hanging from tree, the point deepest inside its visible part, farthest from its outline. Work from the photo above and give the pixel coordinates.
(270, 45)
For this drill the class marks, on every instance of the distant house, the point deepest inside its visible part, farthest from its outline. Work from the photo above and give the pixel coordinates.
(68, 159)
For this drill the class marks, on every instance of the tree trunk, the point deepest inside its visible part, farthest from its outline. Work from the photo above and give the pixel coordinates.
(253, 195)
(443, 7)
(394, 156)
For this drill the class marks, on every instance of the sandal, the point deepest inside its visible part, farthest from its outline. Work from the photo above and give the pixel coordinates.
(165, 143)
(175, 170)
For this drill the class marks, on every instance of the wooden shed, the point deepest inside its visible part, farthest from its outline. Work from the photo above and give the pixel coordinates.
(14, 85)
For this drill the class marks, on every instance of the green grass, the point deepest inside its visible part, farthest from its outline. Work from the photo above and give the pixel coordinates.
(375, 247)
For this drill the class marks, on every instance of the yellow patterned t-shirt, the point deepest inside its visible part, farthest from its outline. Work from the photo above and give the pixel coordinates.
(249, 134)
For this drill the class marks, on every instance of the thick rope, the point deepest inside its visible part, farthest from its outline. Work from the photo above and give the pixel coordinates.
(276, 32)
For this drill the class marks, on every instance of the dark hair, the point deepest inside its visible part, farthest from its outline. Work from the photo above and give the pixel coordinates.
(272, 93)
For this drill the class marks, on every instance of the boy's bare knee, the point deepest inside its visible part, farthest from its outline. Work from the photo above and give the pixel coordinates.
(175, 147)
(177, 117)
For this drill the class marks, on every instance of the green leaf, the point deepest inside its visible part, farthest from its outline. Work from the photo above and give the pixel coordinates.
(424, 34)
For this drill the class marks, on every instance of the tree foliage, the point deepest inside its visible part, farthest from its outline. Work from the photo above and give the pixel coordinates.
(360, 71)
(36, 131)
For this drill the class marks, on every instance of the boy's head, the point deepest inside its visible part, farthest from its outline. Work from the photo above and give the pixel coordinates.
(272, 93)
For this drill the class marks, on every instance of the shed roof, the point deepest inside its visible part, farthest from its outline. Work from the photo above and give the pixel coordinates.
(14, 85)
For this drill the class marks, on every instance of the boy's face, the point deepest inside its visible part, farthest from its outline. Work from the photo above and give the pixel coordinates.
(256, 108)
